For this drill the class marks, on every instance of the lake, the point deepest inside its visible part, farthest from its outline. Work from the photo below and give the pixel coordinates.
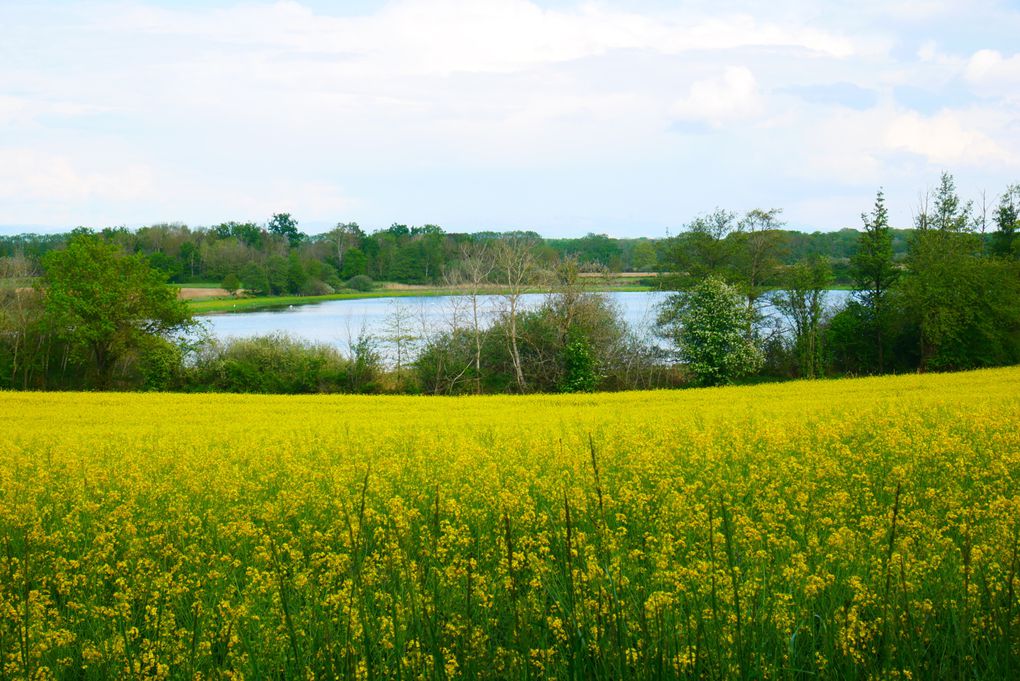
(340, 322)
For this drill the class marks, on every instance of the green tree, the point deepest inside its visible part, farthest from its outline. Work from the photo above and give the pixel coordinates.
(341, 239)
(708, 324)
(949, 292)
(108, 305)
(297, 277)
(254, 279)
(757, 258)
(282, 224)
(355, 263)
(802, 301)
(644, 258)
(277, 269)
(231, 283)
(874, 273)
(708, 246)
(949, 214)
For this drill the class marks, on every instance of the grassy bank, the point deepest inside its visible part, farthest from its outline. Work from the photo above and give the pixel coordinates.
(232, 304)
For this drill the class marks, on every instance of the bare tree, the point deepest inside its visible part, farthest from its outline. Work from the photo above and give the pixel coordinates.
(981, 215)
(19, 309)
(474, 274)
(922, 215)
(14, 269)
(517, 268)
(400, 335)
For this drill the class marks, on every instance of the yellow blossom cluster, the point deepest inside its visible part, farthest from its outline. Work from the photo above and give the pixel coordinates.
(861, 528)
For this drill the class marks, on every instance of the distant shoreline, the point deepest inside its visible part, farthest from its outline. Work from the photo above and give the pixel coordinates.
(229, 305)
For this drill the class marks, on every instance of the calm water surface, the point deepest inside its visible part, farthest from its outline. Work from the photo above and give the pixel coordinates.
(340, 322)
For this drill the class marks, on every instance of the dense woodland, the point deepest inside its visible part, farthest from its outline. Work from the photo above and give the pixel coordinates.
(92, 310)
(277, 258)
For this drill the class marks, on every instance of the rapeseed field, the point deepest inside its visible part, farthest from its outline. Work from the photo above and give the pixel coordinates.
(832, 529)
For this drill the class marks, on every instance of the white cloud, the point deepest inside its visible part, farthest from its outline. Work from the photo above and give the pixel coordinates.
(983, 63)
(844, 146)
(992, 73)
(32, 174)
(448, 36)
(716, 101)
(944, 139)
(138, 110)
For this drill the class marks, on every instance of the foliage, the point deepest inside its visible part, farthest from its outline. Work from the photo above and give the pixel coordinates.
(255, 280)
(270, 364)
(445, 365)
(106, 304)
(838, 529)
(365, 366)
(1007, 224)
(940, 296)
(417, 254)
(282, 224)
(580, 368)
(231, 283)
(964, 307)
(360, 282)
(708, 246)
(161, 365)
(802, 301)
(708, 326)
(944, 211)
(874, 274)
(850, 338)
(31, 354)
(758, 256)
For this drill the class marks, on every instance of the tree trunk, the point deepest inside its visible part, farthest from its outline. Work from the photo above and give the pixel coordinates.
(515, 354)
(478, 344)
(104, 366)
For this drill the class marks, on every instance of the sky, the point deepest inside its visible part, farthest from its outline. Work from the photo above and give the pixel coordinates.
(625, 117)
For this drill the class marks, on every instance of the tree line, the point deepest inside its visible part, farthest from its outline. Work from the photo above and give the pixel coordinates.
(277, 258)
(92, 310)
(950, 302)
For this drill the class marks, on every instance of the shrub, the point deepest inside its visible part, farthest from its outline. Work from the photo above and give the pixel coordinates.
(361, 282)
(231, 283)
(316, 287)
(709, 325)
(275, 363)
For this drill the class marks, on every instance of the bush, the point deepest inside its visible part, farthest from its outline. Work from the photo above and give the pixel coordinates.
(580, 368)
(575, 342)
(231, 283)
(708, 326)
(362, 282)
(255, 280)
(315, 287)
(159, 365)
(275, 363)
(445, 365)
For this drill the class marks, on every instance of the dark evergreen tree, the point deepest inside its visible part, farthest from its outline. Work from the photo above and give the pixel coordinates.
(874, 273)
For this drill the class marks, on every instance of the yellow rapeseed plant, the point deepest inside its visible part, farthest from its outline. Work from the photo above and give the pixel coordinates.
(850, 529)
